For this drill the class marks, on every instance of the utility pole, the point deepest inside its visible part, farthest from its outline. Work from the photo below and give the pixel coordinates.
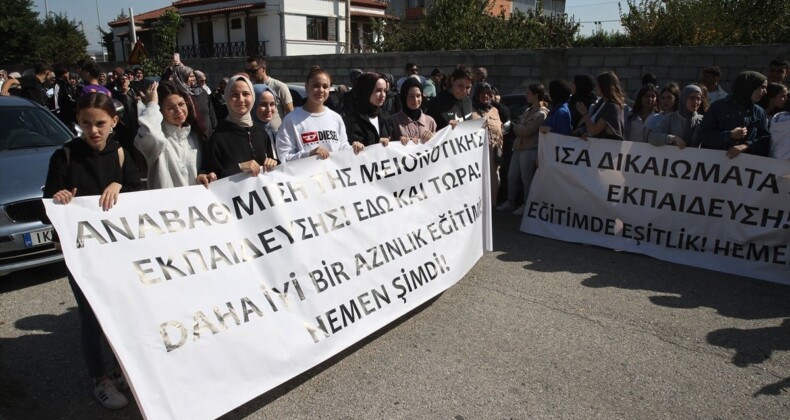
(348, 26)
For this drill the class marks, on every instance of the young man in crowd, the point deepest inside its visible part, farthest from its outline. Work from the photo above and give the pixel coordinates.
(32, 85)
(710, 78)
(257, 70)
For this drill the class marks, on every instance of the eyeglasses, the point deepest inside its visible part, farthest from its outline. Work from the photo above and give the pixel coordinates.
(254, 70)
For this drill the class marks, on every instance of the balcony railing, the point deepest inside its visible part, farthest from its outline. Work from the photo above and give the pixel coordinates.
(223, 49)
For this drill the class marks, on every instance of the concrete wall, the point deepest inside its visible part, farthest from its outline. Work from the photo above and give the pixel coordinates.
(512, 70)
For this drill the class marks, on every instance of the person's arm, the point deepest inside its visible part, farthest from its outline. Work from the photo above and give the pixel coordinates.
(150, 139)
(659, 136)
(530, 125)
(286, 99)
(8, 85)
(593, 128)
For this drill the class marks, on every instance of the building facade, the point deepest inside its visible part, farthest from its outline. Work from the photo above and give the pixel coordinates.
(240, 28)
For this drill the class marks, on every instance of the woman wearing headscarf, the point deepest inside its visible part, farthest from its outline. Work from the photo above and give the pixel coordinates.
(679, 128)
(264, 110)
(369, 124)
(185, 78)
(736, 123)
(582, 90)
(411, 124)
(482, 104)
(235, 146)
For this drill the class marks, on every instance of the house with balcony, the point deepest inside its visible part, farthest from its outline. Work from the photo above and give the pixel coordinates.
(240, 28)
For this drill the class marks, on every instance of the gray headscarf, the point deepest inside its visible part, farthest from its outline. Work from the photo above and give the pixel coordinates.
(181, 78)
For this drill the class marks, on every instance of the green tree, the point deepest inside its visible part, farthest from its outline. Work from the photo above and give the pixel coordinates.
(61, 40)
(108, 42)
(706, 22)
(19, 31)
(165, 42)
(473, 24)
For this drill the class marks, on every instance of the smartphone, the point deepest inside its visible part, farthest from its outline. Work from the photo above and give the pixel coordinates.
(176, 58)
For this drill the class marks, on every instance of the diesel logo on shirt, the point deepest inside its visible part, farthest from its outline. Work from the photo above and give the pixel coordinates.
(314, 136)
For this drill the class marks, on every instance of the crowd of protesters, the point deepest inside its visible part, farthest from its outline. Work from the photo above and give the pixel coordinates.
(178, 132)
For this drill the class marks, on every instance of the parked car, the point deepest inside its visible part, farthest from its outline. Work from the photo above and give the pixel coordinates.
(29, 134)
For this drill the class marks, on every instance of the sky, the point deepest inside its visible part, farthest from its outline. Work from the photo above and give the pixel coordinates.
(585, 11)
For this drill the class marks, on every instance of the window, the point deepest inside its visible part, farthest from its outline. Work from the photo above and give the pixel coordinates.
(321, 28)
(235, 24)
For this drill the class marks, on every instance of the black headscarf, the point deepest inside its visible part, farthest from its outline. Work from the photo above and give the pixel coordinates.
(409, 83)
(363, 89)
(744, 85)
(585, 87)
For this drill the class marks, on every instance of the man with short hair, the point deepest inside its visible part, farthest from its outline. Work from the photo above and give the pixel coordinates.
(411, 70)
(481, 74)
(433, 84)
(710, 78)
(32, 85)
(257, 70)
(777, 70)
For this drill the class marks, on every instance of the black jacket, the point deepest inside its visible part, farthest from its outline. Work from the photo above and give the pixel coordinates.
(445, 108)
(232, 144)
(90, 171)
(359, 128)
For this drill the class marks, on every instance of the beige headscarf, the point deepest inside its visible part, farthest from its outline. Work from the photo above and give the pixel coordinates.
(244, 120)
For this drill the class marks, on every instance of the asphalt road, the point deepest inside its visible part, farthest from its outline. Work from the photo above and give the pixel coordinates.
(538, 329)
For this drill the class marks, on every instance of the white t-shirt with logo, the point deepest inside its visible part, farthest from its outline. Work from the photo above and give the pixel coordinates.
(301, 132)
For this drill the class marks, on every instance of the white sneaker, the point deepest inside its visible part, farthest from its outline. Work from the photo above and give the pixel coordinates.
(506, 206)
(108, 396)
(519, 211)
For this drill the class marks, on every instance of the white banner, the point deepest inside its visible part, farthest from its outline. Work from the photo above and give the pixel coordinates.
(689, 206)
(213, 297)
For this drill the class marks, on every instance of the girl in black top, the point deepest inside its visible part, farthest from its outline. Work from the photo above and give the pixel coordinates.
(93, 164)
(369, 124)
(235, 147)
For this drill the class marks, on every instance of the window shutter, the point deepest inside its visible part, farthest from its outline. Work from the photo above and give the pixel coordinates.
(331, 29)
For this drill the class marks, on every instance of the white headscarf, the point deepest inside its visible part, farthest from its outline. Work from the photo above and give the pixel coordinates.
(244, 120)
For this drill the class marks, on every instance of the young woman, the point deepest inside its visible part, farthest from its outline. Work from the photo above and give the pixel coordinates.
(411, 124)
(605, 119)
(736, 123)
(774, 99)
(668, 99)
(646, 104)
(582, 90)
(235, 147)
(482, 102)
(263, 113)
(525, 148)
(313, 129)
(93, 164)
(185, 78)
(559, 118)
(369, 124)
(679, 128)
(453, 106)
(170, 138)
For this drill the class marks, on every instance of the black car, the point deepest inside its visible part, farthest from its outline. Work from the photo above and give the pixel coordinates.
(29, 134)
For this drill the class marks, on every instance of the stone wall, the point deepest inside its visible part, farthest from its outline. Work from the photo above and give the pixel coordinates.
(513, 70)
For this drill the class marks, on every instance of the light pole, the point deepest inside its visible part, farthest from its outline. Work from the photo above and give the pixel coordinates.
(101, 40)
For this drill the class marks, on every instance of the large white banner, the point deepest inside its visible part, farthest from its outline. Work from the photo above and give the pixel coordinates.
(689, 206)
(212, 297)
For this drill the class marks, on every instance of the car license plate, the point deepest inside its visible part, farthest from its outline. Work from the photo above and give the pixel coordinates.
(38, 238)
